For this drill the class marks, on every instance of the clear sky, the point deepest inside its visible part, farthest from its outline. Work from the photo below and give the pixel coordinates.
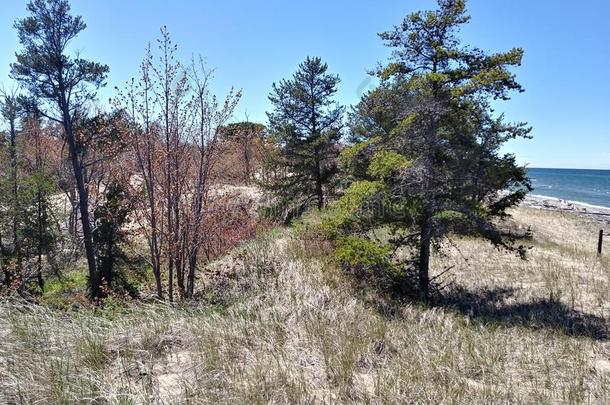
(566, 69)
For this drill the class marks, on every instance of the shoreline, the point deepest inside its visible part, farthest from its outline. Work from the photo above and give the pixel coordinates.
(598, 213)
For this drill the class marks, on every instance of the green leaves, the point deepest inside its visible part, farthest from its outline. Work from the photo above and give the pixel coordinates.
(390, 70)
(353, 251)
(351, 212)
(353, 158)
(385, 163)
(31, 210)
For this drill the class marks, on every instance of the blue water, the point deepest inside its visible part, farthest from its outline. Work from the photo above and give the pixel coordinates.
(587, 186)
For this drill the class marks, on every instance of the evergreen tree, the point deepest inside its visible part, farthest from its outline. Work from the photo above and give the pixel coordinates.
(428, 144)
(11, 110)
(28, 217)
(109, 236)
(39, 229)
(307, 124)
(62, 86)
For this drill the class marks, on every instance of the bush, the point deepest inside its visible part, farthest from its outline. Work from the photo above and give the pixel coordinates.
(362, 254)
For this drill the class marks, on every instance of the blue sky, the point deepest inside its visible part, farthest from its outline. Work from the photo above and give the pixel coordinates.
(566, 69)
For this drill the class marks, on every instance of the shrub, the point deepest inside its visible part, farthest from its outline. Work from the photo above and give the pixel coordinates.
(359, 253)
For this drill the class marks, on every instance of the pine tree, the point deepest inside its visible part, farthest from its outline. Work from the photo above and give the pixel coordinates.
(307, 124)
(61, 86)
(39, 228)
(109, 236)
(25, 207)
(428, 147)
(10, 111)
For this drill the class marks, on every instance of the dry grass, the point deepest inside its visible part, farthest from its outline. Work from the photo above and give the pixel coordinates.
(278, 325)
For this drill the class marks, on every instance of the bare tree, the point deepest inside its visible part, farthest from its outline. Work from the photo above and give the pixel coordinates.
(137, 102)
(210, 116)
(173, 131)
(243, 144)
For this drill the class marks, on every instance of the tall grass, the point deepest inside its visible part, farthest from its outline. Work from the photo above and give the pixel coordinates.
(276, 323)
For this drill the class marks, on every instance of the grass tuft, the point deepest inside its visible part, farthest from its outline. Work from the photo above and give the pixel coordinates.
(278, 323)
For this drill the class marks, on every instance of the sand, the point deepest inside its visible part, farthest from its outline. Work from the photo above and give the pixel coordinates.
(601, 214)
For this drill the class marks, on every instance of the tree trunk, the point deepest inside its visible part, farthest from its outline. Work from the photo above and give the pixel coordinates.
(178, 240)
(170, 276)
(155, 256)
(180, 275)
(170, 253)
(148, 174)
(83, 200)
(154, 235)
(169, 209)
(39, 274)
(424, 256)
(320, 193)
(40, 242)
(319, 189)
(73, 217)
(190, 282)
(15, 202)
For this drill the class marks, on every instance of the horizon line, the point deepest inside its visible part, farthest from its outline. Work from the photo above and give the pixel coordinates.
(566, 168)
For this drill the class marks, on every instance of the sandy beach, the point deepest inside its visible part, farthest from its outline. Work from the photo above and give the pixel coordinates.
(598, 213)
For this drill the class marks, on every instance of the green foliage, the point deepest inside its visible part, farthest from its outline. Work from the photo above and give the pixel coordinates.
(360, 253)
(28, 218)
(449, 216)
(404, 124)
(43, 63)
(66, 290)
(242, 131)
(351, 158)
(306, 122)
(385, 163)
(61, 87)
(39, 223)
(350, 212)
(436, 157)
(109, 236)
(74, 281)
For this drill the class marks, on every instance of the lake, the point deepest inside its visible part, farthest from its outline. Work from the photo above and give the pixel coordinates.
(581, 185)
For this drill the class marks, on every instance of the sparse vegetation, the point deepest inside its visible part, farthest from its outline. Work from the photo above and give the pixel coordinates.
(145, 255)
(277, 323)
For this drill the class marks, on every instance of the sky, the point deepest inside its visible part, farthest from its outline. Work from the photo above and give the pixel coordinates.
(565, 71)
